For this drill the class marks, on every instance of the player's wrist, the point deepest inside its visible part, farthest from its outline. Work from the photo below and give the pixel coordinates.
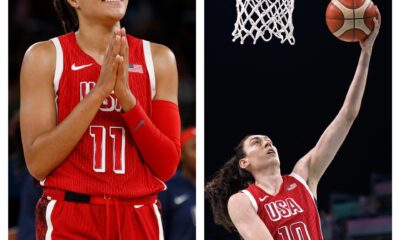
(126, 99)
(102, 91)
(366, 51)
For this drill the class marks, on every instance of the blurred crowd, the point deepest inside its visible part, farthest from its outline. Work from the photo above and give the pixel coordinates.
(356, 217)
(171, 23)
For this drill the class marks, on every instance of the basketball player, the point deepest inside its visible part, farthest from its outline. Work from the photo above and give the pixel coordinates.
(179, 201)
(100, 125)
(249, 193)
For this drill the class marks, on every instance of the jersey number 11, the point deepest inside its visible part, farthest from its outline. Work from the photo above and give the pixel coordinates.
(99, 135)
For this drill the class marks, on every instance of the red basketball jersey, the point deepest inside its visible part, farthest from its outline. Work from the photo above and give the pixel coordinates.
(106, 159)
(289, 215)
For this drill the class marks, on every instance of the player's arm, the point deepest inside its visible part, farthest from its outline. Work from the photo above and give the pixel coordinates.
(45, 143)
(245, 218)
(312, 166)
(158, 136)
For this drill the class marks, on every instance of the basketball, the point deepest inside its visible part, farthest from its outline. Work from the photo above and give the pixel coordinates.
(351, 20)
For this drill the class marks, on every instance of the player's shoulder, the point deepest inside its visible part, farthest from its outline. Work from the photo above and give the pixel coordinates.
(295, 177)
(239, 204)
(161, 52)
(39, 62)
(239, 199)
(166, 73)
(40, 52)
(38, 66)
(41, 48)
(162, 56)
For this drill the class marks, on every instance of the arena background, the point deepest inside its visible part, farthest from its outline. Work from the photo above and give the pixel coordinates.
(291, 94)
(313, 109)
(171, 23)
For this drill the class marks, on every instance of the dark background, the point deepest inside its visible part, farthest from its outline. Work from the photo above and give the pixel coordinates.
(292, 93)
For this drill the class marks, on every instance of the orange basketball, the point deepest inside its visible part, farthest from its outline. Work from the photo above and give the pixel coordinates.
(351, 20)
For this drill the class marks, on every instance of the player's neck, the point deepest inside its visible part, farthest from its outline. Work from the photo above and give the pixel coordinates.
(94, 39)
(269, 180)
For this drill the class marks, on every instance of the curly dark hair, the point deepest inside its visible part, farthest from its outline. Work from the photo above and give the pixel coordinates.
(227, 181)
(67, 15)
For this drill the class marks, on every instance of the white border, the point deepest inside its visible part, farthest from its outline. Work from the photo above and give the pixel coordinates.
(49, 211)
(395, 120)
(59, 64)
(4, 115)
(200, 120)
(302, 181)
(160, 226)
(199, 116)
(251, 198)
(148, 58)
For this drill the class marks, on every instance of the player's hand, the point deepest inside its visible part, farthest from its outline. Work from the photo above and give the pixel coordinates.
(368, 43)
(122, 90)
(109, 68)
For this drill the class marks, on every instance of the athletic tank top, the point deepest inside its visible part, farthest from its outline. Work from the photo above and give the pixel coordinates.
(106, 160)
(290, 214)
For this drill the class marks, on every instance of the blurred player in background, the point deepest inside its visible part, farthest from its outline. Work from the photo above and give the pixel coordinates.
(28, 194)
(179, 201)
(249, 194)
(100, 125)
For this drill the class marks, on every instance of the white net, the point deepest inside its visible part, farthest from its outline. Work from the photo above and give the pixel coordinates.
(264, 19)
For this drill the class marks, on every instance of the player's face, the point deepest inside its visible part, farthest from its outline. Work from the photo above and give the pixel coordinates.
(109, 10)
(260, 151)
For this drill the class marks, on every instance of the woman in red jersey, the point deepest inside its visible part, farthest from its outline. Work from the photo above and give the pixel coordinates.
(249, 194)
(100, 125)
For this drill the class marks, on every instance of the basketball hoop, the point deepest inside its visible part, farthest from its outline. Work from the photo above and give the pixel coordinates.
(264, 19)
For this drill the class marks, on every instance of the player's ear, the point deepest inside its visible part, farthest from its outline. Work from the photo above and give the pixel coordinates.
(74, 3)
(243, 163)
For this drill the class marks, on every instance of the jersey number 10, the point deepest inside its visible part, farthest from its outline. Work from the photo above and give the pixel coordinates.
(99, 135)
(296, 231)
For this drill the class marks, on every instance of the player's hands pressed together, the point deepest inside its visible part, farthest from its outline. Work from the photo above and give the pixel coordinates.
(368, 43)
(121, 89)
(109, 68)
(46, 143)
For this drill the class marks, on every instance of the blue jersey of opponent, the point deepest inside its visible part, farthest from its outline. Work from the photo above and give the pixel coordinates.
(178, 209)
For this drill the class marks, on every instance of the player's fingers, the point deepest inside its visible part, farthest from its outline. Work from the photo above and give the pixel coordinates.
(377, 26)
(116, 46)
(113, 46)
(123, 35)
(121, 68)
(109, 49)
(125, 49)
(378, 14)
(122, 72)
(115, 65)
(123, 31)
(377, 22)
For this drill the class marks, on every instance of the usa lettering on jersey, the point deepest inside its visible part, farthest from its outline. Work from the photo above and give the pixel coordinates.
(290, 214)
(282, 209)
(109, 104)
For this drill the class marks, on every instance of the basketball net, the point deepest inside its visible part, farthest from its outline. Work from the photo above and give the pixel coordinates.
(264, 18)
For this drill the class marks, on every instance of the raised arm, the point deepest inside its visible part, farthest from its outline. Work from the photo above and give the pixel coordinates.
(45, 143)
(245, 218)
(313, 165)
